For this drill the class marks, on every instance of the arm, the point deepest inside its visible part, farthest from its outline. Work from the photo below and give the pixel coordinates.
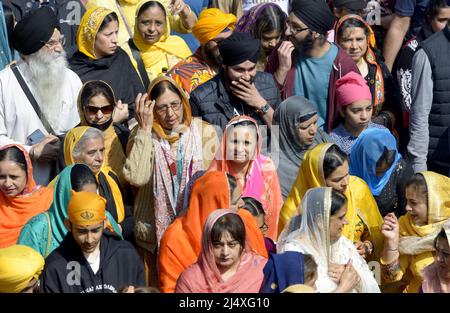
(394, 38)
(422, 99)
(182, 18)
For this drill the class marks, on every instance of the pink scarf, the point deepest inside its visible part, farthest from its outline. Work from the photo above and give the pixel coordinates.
(204, 277)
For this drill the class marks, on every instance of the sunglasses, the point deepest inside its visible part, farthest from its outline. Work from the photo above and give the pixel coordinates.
(107, 109)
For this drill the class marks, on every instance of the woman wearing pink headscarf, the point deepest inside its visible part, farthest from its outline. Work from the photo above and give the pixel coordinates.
(353, 111)
(226, 263)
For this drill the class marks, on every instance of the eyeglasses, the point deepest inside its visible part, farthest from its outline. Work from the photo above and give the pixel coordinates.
(295, 30)
(107, 109)
(264, 227)
(175, 106)
(53, 43)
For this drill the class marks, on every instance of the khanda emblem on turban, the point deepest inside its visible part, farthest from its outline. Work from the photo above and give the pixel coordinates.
(87, 215)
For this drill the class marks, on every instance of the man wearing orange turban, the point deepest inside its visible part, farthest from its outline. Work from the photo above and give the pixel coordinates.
(88, 260)
(212, 27)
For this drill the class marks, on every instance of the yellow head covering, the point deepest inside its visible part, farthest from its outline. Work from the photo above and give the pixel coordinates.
(211, 22)
(89, 25)
(86, 208)
(70, 141)
(18, 265)
(153, 54)
(438, 207)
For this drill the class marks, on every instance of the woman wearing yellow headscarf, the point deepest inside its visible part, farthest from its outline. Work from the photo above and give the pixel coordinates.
(326, 165)
(20, 268)
(152, 43)
(181, 17)
(408, 246)
(86, 145)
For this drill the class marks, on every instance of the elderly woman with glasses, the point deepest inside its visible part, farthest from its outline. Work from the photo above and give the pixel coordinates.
(165, 150)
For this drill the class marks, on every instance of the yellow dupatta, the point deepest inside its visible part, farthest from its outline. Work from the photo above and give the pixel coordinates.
(70, 141)
(89, 25)
(155, 56)
(360, 202)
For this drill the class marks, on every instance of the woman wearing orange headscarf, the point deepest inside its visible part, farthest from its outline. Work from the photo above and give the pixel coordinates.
(240, 155)
(181, 244)
(168, 147)
(20, 197)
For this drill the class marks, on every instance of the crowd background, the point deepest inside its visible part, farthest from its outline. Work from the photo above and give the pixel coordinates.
(222, 146)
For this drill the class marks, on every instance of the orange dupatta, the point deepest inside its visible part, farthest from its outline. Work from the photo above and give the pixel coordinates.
(181, 244)
(16, 211)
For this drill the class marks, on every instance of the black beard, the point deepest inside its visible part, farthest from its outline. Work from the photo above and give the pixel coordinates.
(306, 45)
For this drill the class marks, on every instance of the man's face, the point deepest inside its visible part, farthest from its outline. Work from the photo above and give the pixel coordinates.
(299, 34)
(55, 43)
(87, 237)
(245, 71)
(211, 49)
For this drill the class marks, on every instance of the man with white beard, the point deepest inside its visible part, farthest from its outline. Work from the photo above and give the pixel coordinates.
(43, 70)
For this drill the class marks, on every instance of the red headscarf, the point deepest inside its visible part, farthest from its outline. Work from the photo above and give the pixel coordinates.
(16, 211)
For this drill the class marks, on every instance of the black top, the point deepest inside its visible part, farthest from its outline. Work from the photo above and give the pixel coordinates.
(116, 70)
(392, 197)
(67, 270)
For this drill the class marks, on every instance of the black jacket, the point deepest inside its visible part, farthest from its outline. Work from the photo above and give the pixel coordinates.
(212, 102)
(67, 270)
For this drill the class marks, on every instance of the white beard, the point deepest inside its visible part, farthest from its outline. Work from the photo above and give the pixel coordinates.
(47, 71)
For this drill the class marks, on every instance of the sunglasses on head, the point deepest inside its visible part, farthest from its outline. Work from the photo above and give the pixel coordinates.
(107, 109)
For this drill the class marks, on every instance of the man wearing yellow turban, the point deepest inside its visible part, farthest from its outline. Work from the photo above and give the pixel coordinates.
(88, 260)
(20, 267)
(212, 27)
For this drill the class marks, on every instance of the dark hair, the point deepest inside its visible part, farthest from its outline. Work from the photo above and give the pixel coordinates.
(388, 156)
(349, 23)
(440, 236)
(151, 4)
(418, 182)
(16, 155)
(233, 224)
(242, 124)
(253, 206)
(433, 8)
(95, 88)
(9, 20)
(271, 19)
(338, 199)
(80, 176)
(161, 87)
(232, 182)
(108, 19)
(334, 157)
(309, 267)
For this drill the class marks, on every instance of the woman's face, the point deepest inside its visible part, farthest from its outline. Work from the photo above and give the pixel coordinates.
(226, 252)
(439, 22)
(269, 40)
(337, 223)
(151, 25)
(416, 205)
(358, 114)
(442, 258)
(169, 110)
(260, 221)
(98, 111)
(92, 154)
(339, 178)
(106, 40)
(307, 130)
(241, 144)
(354, 42)
(13, 178)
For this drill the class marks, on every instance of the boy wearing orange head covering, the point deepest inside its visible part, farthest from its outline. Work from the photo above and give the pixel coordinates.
(88, 260)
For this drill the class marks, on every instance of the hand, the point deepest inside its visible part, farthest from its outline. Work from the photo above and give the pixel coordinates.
(120, 113)
(144, 112)
(248, 93)
(177, 6)
(335, 271)
(285, 55)
(390, 230)
(349, 279)
(46, 150)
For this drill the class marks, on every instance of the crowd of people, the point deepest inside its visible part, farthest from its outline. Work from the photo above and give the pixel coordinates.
(195, 146)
